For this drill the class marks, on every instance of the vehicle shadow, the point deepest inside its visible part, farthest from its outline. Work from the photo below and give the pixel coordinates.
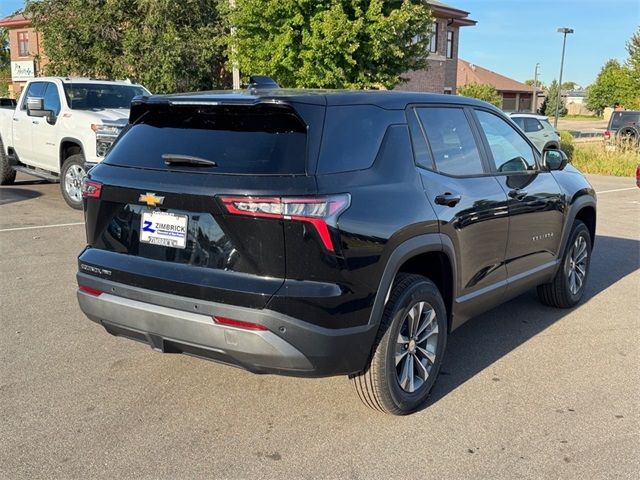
(480, 342)
(12, 195)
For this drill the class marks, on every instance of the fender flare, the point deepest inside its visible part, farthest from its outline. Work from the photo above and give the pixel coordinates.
(430, 242)
(584, 200)
(72, 140)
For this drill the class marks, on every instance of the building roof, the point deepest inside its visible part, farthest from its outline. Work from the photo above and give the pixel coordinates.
(470, 73)
(14, 21)
(457, 17)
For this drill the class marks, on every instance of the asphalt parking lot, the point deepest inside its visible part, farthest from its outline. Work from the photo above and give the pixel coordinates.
(526, 391)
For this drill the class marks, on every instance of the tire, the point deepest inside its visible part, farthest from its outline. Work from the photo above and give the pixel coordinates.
(383, 385)
(7, 173)
(567, 287)
(71, 176)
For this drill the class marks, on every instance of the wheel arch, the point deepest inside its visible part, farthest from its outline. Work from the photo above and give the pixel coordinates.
(583, 209)
(69, 146)
(430, 255)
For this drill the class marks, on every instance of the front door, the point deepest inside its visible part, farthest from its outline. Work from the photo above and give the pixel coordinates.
(44, 134)
(470, 204)
(536, 202)
(22, 140)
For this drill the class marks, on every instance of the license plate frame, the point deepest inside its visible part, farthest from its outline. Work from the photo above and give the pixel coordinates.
(166, 229)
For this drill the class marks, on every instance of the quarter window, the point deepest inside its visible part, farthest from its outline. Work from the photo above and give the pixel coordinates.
(23, 44)
(452, 144)
(510, 152)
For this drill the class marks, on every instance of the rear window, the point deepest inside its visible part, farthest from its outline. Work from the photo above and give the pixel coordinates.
(258, 140)
(620, 119)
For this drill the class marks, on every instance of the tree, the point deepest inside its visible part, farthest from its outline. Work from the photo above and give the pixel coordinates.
(483, 91)
(531, 82)
(548, 106)
(5, 62)
(569, 85)
(633, 48)
(166, 45)
(614, 85)
(330, 43)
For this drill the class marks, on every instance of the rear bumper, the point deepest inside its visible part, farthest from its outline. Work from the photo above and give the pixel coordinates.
(176, 324)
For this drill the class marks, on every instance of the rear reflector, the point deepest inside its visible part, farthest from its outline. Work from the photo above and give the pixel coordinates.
(317, 211)
(91, 189)
(91, 291)
(230, 322)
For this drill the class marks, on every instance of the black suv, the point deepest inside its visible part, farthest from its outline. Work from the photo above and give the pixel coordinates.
(315, 233)
(624, 124)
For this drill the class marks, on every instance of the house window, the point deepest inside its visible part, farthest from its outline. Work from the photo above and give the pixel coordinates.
(448, 91)
(449, 44)
(23, 44)
(433, 41)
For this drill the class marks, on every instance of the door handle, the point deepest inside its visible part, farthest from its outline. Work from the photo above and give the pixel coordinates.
(35, 122)
(16, 119)
(448, 199)
(517, 194)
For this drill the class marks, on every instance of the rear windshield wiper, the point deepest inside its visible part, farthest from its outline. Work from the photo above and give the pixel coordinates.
(176, 159)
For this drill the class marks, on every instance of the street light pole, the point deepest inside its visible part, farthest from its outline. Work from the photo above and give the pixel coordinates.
(564, 31)
(235, 70)
(535, 89)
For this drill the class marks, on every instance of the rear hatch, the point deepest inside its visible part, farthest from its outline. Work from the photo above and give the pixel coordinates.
(169, 212)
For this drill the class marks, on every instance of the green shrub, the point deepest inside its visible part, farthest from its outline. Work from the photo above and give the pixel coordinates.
(566, 143)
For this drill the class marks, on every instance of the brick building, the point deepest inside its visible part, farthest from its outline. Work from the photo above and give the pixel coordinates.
(441, 72)
(516, 96)
(27, 56)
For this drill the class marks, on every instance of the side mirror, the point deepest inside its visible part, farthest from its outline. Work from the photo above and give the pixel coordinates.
(34, 106)
(554, 159)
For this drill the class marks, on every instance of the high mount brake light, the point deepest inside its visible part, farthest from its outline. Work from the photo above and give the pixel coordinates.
(91, 189)
(317, 211)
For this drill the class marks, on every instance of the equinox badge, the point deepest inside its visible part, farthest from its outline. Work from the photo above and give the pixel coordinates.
(151, 199)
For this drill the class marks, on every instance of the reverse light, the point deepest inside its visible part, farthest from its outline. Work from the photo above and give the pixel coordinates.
(230, 322)
(317, 211)
(91, 189)
(91, 291)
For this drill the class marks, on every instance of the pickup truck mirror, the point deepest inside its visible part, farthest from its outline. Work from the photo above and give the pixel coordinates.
(35, 108)
(554, 159)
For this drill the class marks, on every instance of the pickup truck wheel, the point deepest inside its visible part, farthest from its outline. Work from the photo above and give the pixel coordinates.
(408, 350)
(567, 287)
(71, 177)
(7, 173)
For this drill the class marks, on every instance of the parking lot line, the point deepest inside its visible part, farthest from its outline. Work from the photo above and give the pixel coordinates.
(35, 227)
(616, 190)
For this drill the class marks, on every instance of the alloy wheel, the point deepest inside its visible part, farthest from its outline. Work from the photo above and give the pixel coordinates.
(73, 182)
(576, 265)
(415, 350)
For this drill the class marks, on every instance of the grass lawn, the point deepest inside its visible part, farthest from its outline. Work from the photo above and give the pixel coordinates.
(594, 158)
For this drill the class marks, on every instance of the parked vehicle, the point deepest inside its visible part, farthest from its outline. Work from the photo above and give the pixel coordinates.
(538, 129)
(61, 127)
(625, 125)
(316, 233)
(7, 102)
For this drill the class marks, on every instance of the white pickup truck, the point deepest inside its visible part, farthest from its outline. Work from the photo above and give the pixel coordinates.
(61, 127)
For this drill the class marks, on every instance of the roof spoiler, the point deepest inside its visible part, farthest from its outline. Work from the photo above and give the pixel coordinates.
(259, 82)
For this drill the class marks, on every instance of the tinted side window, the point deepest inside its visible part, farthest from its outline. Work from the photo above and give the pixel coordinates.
(532, 125)
(52, 98)
(352, 137)
(511, 153)
(452, 144)
(36, 89)
(518, 121)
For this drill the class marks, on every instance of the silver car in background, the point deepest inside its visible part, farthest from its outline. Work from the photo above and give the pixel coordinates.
(538, 129)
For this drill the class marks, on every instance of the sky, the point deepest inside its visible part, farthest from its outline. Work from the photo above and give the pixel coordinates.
(513, 35)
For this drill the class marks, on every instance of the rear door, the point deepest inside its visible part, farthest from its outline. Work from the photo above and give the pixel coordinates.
(161, 221)
(470, 204)
(536, 203)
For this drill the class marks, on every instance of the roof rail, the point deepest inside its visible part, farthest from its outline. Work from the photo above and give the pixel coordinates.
(257, 82)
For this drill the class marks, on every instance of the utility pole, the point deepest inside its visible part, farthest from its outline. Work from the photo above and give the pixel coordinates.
(535, 89)
(564, 31)
(236, 70)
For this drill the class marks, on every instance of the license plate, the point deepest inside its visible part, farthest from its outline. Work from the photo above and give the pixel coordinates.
(164, 228)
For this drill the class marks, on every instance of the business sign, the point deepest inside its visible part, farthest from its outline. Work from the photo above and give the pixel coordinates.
(22, 70)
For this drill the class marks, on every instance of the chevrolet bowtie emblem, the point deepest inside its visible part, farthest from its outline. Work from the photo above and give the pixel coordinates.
(151, 199)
